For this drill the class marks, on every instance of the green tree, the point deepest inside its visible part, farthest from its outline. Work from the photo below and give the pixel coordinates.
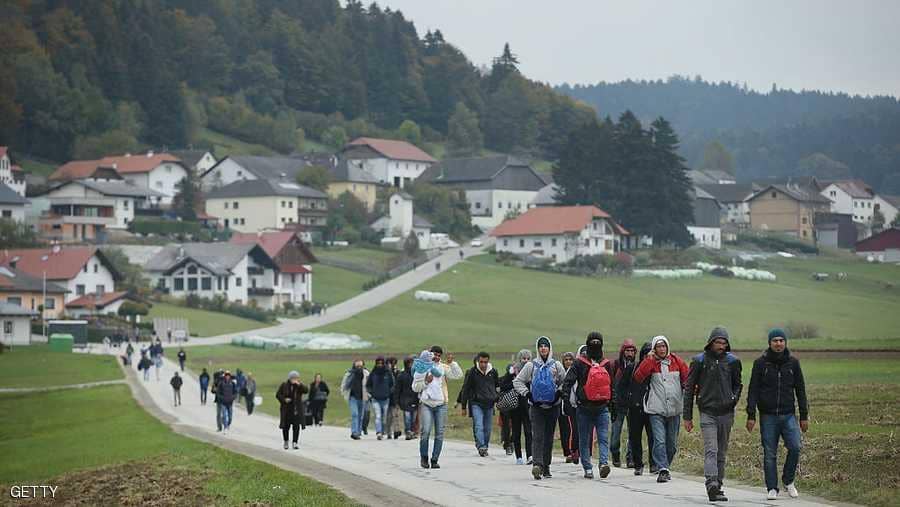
(186, 197)
(717, 157)
(409, 131)
(109, 142)
(411, 245)
(878, 220)
(314, 177)
(464, 137)
(132, 275)
(896, 221)
(334, 137)
(14, 234)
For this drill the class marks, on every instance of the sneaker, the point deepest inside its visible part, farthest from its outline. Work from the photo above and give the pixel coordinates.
(792, 490)
(576, 460)
(664, 476)
(296, 446)
(530, 461)
(482, 452)
(589, 474)
(617, 463)
(536, 472)
(629, 464)
(547, 474)
(486, 452)
(772, 494)
(715, 494)
(380, 436)
(638, 470)
(509, 450)
(520, 461)
(285, 444)
(355, 437)
(409, 436)
(434, 464)
(604, 471)
(424, 463)
(568, 459)
(396, 434)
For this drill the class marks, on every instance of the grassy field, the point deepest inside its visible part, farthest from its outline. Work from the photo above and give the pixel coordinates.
(36, 366)
(849, 453)
(505, 308)
(332, 285)
(100, 447)
(203, 322)
(372, 258)
(34, 167)
(227, 145)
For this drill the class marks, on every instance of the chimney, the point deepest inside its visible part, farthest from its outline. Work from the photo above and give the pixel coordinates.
(180, 251)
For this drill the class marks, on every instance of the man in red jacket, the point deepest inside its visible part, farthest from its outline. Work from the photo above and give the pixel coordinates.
(664, 402)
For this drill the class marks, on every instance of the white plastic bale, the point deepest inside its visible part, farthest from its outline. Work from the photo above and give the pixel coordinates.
(440, 297)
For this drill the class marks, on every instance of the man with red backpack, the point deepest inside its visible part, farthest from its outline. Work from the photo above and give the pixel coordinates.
(539, 381)
(593, 394)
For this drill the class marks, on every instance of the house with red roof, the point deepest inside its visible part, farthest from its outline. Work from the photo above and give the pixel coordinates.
(388, 161)
(293, 258)
(160, 172)
(11, 175)
(81, 270)
(560, 233)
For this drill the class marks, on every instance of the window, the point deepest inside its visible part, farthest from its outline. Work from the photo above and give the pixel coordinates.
(505, 242)
(79, 290)
(240, 173)
(833, 193)
(7, 213)
(14, 300)
(284, 204)
(234, 205)
(553, 242)
(499, 205)
(587, 242)
(125, 204)
(870, 205)
(803, 220)
(855, 204)
(159, 184)
(192, 269)
(596, 242)
(774, 195)
(84, 268)
(7, 327)
(594, 225)
(50, 304)
(477, 205)
(192, 283)
(804, 233)
(237, 281)
(95, 268)
(168, 168)
(179, 284)
(218, 283)
(101, 289)
(521, 243)
(282, 220)
(609, 244)
(290, 204)
(226, 204)
(537, 244)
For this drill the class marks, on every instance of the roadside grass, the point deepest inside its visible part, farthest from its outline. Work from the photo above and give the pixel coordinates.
(505, 308)
(61, 437)
(333, 285)
(203, 322)
(372, 258)
(37, 366)
(849, 454)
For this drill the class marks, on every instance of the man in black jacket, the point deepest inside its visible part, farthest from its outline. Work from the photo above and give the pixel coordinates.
(775, 380)
(715, 377)
(479, 393)
(407, 398)
(226, 392)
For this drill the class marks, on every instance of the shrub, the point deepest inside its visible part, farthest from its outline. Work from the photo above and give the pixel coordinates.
(800, 330)
(163, 227)
(778, 242)
(375, 282)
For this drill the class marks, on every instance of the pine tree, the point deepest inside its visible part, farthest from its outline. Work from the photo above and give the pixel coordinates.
(464, 137)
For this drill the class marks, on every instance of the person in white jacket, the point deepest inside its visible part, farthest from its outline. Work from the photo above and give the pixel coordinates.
(353, 388)
(431, 385)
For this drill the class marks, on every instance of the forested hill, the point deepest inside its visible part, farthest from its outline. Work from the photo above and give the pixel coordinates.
(779, 133)
(81, 77)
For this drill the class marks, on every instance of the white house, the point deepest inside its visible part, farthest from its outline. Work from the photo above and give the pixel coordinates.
(390, 162)
(197, 161)
(124, 198)
(11, 175)
(401, 221)
(160, 172)
(560, 233)
(80, 270)
(294, 261)
(255, 205)
(889, 205)
(239, 272)
(16, 324)
(495, 186)
(733, 198)
(238, 168)
(12, 205)
(851, 197)
(96, 304)
(705, 228)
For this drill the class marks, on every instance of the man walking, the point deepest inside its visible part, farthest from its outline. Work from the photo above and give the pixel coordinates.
(433, 397)
(776, 381)
(250, 393)
(226, 392)
(407, 398)
(204, 385)
(176, 383)
(380, 384)
(479, 393)
(353, 387)
(182, 357)
(715, 377)
(539, 381)
(626, 359)
(664, 401)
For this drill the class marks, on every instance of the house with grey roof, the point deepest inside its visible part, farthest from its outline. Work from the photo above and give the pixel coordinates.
(733, 198)
(706, 227)
(494, 186)
(350, 177)
(198, 161)
(237, 168)
(239, 272)
(118, 196)
(850, 197)
(12, 205)
(15, 324)
(787, 209)
(256, 205)
(401, 221)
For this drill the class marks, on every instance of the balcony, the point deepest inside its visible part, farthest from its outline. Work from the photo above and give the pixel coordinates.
(56, 219)
(254, 270)
(261, 291)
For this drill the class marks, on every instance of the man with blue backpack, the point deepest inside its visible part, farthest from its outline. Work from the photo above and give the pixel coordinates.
(539, 381)
(593, 376)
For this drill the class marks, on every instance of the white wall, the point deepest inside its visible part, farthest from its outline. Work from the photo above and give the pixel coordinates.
(228, 171)
(16, 212)
(6, 176)
(21, 330)
(385, 170)
(205, 162)
(860, 209)
(401, 216)
(737, 212)
(710, 237)
(497, 203)
(90, 280)
(298, 285)
(589, 241)
(253, 214)
(887, 209)
(164, 178)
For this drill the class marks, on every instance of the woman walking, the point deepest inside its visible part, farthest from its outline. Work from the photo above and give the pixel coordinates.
(290, 396)
(519, 416)
(250, 393)
(318, 398)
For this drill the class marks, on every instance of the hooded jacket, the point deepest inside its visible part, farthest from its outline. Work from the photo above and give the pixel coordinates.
(618, 365)
(354, 384)
(407, 399)
(380, 383)
(630, 392)
(522, 382)
(577, 377)
(774, 382)
(480, 388)
(715, 380)
(665, 394)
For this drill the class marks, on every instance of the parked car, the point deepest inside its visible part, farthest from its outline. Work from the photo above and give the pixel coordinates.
(475, 243)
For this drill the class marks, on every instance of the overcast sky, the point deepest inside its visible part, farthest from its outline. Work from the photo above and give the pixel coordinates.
(851, 46)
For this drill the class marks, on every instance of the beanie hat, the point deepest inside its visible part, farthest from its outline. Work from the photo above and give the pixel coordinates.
(293, 374)
(777, 333)
(543, 341)
(719, 332)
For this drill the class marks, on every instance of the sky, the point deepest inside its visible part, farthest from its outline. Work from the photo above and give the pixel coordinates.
(847, 46)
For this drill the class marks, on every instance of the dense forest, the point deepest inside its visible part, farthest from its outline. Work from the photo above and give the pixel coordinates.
(84, 77)
(779, 133)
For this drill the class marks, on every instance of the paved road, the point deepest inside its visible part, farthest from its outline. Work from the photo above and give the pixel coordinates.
(464, 480)
(358, 304)
(57, 388)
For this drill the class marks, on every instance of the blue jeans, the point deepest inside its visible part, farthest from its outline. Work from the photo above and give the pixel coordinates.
(771, 427)
(432, 417)
(665, 439)
(225, 411)
(381, 408)
(409, 418)
(588, 420)
(356, 414)
(615, 439)
(482, 419)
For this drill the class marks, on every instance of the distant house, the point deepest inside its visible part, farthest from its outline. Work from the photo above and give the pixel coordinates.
(16, 324)
(889, 205)
(788, 209)
(260, 204)
(401, 221)
(390, 162)
(546, 196)
(77, 198)
(494, 186)
(293, 259)
(883, 247)
(198, 161)
(20, 288)
(560, 233)
(81, 270)
(711, 177)
(837, 230)
(347, 177)
(160, 172)
(12, 205)
(11, 175)
(239, 272)
(231, 169)
(96, 304)
(733, 198)
(706, 226)
(850, 197)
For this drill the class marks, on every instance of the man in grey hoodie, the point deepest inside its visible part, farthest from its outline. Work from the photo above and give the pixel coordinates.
(539, 381)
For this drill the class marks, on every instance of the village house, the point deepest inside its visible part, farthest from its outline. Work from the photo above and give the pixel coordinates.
(231, 169)
(238, 272)
(16, 324)
(11, 175)
(390, 162)
(495, 186)
(12, 205)
(260, 204)
(711, 177)
(197, 161)
(889, 206)
(81, 270)
(733, 198)
(293, 283)
(20, 288)
(788, 209)
(346, 177)
(76, 198)
(881, 247)
(400, 222)
(850, 197)
(96, 304)
(160, 172)
(706, 226)
(560, 233)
